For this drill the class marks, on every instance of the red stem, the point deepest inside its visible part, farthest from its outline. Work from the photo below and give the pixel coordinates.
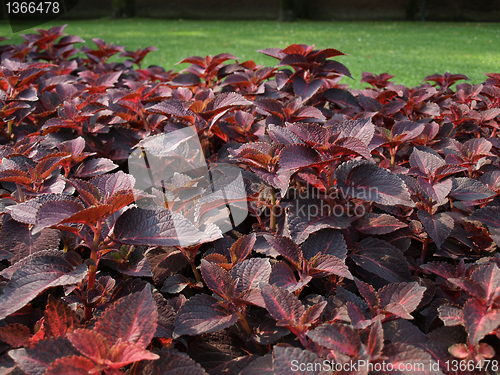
(92, 269)
(423, 255)
(272, 223)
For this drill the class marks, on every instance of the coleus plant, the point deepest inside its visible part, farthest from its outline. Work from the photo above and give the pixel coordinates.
(371, 237)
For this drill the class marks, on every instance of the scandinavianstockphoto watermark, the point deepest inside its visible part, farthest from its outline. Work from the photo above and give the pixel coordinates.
(413, 367)
(362, 365)
(309, 202)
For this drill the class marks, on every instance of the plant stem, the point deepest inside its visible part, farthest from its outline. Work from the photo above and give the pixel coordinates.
(20, 192)
(393, 156)
(423, 255)
(190, 255)
(197, 275)
(92, 269)
(244, 323)
(272, 223)
(331, 187)
(9, 128)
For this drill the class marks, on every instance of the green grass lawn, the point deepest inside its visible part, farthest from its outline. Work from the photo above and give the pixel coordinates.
(409, 50)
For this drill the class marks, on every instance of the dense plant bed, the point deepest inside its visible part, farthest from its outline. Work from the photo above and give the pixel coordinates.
(240, 219)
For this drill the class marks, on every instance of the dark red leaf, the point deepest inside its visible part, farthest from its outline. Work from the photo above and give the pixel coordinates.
(379, 224)
(282, 276)
(443, 269)
(90, 215)
(480, 146)
(403, 331)
(251, 272)
(336, 336)
(201, 314)
(312, 134)
(227, 100)
(492, 180)
(35, 359)
(308, 112)
(349, 146)
(487, 215)
(112, 183)
(59, 318)
(21, 242)
(470, 286)
(52, 213)
(401, 299)
(88, 192)
(405, 131)
(479, 320)
(376, 338)
(488, 277)
(368, 182)
(468, 189)
(368, 292)
(165, 261)
(186, 79)
(294, 59)
(121, 199)
(242, 248)
(73, 365)
(16, 176)
(26, 211)
(94, 167)
(294, 157)
(324, 265)
(132, 319)
(306, 89)
(313, 313)
(286, 247)
(341, 97)
(262, 365)
(426, 162)
(172, 362)
(439, 226)
(370, 105)
(357, 316)
(42, 270)
(91, 344)
(160, 227)
(16, 335)
(451, 315)
(283, 135)
(283, 306)
(273, 52)
(175, 284)
(437, 190)
(326, 241)
(361, 129)
(328, 52)
(5, 254)
(125, 353)
(382, 259)
(218, 280)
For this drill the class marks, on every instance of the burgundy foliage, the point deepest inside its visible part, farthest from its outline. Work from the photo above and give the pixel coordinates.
(372, 234)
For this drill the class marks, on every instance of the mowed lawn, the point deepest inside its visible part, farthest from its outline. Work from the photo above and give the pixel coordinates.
(409, 50)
